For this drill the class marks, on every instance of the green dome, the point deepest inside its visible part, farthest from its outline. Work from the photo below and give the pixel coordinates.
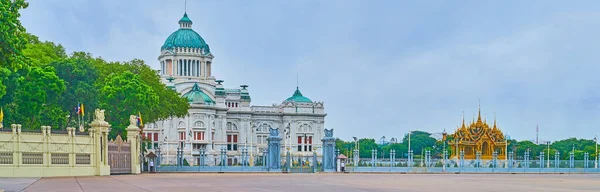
(196, 95)
(298, 98)
(186, 37)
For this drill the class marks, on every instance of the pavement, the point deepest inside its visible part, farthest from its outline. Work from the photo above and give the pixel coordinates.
(309, 182)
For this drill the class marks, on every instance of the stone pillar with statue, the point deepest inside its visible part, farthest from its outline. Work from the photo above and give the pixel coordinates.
(133, 134)
(274, 150)
(99, 131)
(328, 151)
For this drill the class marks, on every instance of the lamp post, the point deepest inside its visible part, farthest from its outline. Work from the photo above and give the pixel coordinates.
(158, 159)
(251, 140)
(548, 161)
(506, 151)
(596, 161)
(409, 133)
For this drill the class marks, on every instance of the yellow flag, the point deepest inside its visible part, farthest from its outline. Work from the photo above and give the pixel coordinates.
(1, 115)
(82, 111)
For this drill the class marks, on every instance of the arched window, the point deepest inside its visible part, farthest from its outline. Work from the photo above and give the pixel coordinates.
(199, 124)
(181, 124)
(263, 128)
(304, 128)
(231, 127)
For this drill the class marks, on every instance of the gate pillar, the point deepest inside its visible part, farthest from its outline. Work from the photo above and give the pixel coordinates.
(328, 151)
(133, 134)
(274, 154)
(100, 132)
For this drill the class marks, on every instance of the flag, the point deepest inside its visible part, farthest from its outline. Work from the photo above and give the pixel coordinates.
(78, 108)
(1, 118)
(140, 122)
(82, 111)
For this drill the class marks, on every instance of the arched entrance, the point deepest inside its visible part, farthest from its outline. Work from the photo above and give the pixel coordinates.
(485, 148)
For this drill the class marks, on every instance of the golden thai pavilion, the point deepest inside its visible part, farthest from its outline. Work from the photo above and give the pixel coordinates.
(477, 136)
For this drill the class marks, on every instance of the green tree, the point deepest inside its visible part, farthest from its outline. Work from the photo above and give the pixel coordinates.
(365, 147)
(344, 147)
(401, 149)
(170, 104)
(419, 141)
(80, 75)
(42, 53)
(36, 97)
(123, 95)
(12, 40)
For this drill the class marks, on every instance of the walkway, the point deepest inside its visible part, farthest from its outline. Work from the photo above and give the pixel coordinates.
(311, 182)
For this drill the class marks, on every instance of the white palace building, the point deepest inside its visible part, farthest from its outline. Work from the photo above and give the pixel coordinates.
(222, 117)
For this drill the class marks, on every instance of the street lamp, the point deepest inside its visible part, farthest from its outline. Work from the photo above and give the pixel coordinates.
(548, 163)
(158, 155)
(596, 161)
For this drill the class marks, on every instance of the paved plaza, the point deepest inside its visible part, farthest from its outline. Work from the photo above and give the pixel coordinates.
(310, 182)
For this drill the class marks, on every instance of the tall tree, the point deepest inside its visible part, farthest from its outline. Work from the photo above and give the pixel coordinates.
(12, 40)
(170, 102)
(36, 97)
(79, 74)
(122, 95)
(42, 53)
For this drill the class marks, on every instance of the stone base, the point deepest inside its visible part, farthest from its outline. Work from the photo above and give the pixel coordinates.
(136, 170)
(104, 170)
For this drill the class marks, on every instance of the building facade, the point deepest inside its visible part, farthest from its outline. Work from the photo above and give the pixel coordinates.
(224, 118)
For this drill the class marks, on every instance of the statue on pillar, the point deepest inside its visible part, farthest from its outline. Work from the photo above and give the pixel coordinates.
(99, 114)
(133, 120)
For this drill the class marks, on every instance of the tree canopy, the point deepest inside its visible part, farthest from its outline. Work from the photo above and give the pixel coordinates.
(40, 84)
(422, 141)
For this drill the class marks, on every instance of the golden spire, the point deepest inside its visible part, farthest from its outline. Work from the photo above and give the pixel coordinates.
(463, 120)
(495, 121)
(485, 118)
(479, 112)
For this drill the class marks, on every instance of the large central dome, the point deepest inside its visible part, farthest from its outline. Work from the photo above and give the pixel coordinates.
(185, 37)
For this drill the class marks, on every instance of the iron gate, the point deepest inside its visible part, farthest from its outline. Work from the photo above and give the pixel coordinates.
(119, 156)
(301, 164)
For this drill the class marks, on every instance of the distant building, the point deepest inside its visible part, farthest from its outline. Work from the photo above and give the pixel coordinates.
(478, 136)
(222, 117)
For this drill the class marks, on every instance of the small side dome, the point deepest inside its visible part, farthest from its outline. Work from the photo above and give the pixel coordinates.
(197, 96)
(298, 98)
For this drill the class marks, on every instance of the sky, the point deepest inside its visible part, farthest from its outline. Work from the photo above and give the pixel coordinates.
(382, 68)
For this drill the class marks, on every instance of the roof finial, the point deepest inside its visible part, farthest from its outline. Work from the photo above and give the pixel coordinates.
(479, 112)
(463, 120)
(185, 6)
(297, 81)
(494, 120)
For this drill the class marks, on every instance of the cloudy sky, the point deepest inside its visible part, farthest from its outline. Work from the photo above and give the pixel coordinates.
(381, 67)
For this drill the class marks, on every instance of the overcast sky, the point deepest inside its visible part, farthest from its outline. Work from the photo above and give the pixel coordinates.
(381, 67)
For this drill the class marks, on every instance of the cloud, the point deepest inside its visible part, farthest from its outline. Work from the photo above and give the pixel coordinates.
(381, 67)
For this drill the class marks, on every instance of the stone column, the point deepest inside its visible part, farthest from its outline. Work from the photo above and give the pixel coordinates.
(328, 151)
(133, 134)
(100, 130)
